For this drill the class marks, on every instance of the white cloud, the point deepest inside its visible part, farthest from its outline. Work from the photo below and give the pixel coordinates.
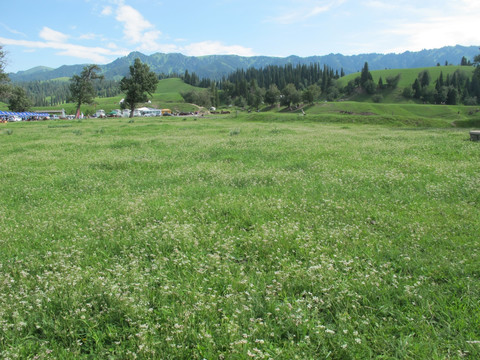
(437, 32)
(381, 5)
(136, 28)
(89, 36)
(469, 5)
(107, 11)
(51, 35)
(454, 24)
(140, 32)
(216, 47)
(93, 54)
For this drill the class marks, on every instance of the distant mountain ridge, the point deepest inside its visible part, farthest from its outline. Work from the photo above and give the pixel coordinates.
(216, 66)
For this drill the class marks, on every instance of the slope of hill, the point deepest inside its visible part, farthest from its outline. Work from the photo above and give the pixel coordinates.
(217, 66)
(407, 78)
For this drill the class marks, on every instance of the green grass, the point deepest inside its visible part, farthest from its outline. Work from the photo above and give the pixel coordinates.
(262, 236)
(418, 115)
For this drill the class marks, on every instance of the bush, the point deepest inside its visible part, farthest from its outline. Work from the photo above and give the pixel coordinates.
(369, 87)
(377, 98)
(407, 92)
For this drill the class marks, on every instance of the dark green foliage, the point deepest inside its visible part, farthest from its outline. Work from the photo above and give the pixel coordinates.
(424, 78)
(19, 101)
(417, 89)
(140, 83)
(301, 76)
(198, 97)
(457, 88)
(332, 93)
(256, 94)
(408, 92)
(365, 75)
(369, 86)
(290, 96)
(465, 62)
(380, 85)
(452, 96)
(392, 81)
(81, 86)
(272, 95)
(57, 92)
(311, 94)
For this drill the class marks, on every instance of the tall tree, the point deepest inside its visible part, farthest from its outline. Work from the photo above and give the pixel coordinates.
(291, 96)
(272, 95)
(3, 76)
(81, 86)
(365, 75)
(141, 82)
(424, 78)
(19, 101)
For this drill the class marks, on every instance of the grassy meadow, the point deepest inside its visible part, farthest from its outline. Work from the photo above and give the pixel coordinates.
(251, 236)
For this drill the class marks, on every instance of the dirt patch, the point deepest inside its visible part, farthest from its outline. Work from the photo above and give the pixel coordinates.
(354, 113)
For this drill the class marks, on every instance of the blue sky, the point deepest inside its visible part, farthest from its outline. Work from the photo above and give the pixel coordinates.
(63, 32)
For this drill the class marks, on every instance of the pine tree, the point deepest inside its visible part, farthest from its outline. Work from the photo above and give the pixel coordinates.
(380, 83)
(365, 75)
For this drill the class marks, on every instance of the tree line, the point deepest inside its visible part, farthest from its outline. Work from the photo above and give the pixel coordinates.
(452, 89)
(57, 92)
(286, 85)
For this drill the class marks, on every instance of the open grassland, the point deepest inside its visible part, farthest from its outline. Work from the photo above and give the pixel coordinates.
(233, 238)
(418, 115)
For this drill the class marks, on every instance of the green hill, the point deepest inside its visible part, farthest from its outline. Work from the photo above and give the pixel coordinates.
(169, 90)
(407, 78)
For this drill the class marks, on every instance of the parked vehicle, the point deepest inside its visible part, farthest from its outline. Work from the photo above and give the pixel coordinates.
(14, 118)
(100, 114)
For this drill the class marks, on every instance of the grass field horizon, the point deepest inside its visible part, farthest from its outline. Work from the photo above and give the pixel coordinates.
(264, 236)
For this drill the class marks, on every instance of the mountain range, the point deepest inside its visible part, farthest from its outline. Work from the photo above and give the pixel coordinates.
(217, 66)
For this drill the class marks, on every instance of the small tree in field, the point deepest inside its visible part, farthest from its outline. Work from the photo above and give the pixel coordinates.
(81, 86)
(141, 82)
